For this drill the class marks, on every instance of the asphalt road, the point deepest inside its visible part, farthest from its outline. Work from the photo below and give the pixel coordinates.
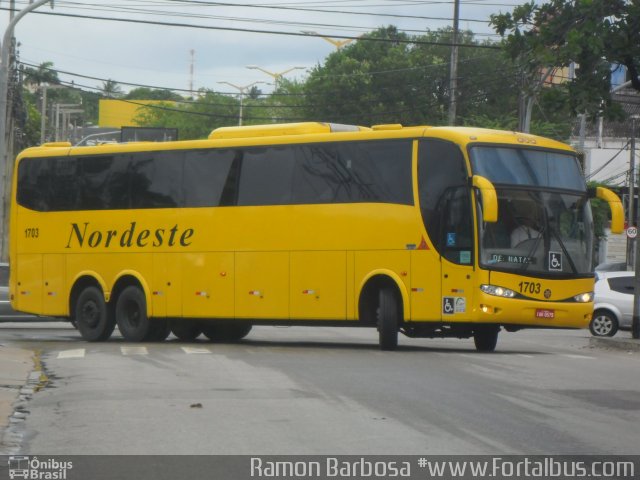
(328, 391)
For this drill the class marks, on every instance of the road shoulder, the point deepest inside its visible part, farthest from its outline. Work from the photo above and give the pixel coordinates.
(16, 366)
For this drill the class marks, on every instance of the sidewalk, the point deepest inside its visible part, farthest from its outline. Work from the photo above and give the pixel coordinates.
(15, 367)
(621, 341)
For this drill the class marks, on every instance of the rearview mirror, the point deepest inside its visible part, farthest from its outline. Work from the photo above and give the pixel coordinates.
(488, 197)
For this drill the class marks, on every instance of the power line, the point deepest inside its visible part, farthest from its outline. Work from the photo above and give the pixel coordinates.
(267, 32)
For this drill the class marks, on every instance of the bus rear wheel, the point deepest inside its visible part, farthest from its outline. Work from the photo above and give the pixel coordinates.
(226, 331)
(131, 315)
(91, 316)
(486, 338)
(185, 330)
(388, 320)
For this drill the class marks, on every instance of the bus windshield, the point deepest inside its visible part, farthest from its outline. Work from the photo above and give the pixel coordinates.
(544, 222)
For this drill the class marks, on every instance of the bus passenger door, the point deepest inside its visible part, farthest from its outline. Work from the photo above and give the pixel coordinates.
(445, 205)
(456, 247)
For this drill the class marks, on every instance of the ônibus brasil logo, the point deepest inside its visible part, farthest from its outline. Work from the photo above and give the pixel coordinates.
(31, 468)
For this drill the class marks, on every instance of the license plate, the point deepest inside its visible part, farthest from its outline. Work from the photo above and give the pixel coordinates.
(544, 313)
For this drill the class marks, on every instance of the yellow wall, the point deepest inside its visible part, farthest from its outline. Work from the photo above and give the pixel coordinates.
(120, 113)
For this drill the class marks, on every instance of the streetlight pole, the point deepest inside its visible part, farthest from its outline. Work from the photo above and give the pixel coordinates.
(5, 49)
(241, 89)
(277, 76)
(336, 43)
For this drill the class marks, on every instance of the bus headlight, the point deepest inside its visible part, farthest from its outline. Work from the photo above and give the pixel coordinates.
(497, 291)
(584, 297)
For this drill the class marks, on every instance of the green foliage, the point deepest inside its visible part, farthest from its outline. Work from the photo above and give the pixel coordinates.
(144, 93)
(593, 34)
(195, 119)
(395, 82)
(44, 74)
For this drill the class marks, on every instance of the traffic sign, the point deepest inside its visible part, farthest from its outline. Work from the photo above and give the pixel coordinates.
(632, 232)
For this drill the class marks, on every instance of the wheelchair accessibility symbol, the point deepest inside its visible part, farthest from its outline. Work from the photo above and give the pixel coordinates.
(555, 261)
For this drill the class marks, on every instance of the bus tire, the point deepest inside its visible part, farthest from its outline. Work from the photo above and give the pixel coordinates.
(388, 319)
(159, 330)
(131, 315)
(185, 330)
(486, 339)
(91, 316)
(226, 331)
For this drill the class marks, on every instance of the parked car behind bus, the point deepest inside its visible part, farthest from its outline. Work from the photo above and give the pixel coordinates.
(613, 303)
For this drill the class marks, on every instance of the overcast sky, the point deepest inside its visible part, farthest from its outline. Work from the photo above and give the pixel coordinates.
(159, 55)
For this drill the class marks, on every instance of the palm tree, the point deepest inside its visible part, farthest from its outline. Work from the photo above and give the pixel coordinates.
(43, 74)
(111, 89)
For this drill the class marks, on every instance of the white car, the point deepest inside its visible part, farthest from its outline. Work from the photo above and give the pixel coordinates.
(613, 303)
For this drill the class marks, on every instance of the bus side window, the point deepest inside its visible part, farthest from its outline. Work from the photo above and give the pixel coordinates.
(104, 182)
(156, 179)
(64, 192)
(205, 175)
(33, 184)
(266, 177)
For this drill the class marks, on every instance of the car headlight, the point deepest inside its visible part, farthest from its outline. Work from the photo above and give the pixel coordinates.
(584, 297)
(497, 291)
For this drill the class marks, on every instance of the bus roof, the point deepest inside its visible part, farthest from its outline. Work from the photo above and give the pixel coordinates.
(253, 135)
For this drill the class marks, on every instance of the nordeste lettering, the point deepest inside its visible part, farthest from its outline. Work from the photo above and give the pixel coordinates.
(82, 235)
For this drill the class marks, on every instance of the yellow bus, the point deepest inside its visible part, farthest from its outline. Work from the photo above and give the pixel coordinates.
(427, 231)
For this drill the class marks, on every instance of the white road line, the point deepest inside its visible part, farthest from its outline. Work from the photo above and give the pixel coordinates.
(134, 350)
(195, 350)
(524, 355)
(76, 353)
(578, 357)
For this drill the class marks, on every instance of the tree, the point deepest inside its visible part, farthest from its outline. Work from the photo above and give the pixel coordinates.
(193, 119)
(144, 93)
(372, 82)
(590, 34)
(111, 89)
(44, 74)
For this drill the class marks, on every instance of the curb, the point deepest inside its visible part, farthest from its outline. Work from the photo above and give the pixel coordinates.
(616, 343)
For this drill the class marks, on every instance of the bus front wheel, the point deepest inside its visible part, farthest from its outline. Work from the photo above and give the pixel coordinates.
(131, 315)
(486, 339)
(388, 320)
(91, 316)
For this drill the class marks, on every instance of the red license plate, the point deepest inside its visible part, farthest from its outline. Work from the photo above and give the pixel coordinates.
(543, 313)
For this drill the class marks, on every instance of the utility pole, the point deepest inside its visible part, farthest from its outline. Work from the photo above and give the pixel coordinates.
(635, 323)
(5, 183)
(453, 70)
(631, 242)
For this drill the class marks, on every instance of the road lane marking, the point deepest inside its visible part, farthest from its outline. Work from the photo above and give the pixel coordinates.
(134, 350)
(75, 353)
(578, 357)
(195, 350)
